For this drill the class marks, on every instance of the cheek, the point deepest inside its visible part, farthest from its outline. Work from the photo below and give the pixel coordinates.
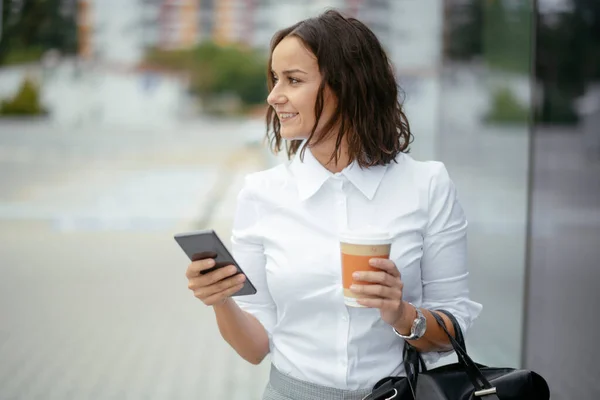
(308, 106)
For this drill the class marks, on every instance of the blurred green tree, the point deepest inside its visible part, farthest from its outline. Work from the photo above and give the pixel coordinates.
(567, 59)
(505, 108)
(31, 27)
(218, 71)
(497, 31)
(25, 102)
(463, 38)
(507, 33)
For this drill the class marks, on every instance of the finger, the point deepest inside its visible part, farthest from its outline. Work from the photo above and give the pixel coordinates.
(196, 267)
(385, 264)
(382, 304)
(210, 278)
(214, 299)
(222, 286)
(379, 291)
(226, 282)
(220, 274)
(382, 278)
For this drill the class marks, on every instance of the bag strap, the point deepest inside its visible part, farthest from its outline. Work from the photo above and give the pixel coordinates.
(413, 362)
(483, 388)
(458, 334)
(413, 365)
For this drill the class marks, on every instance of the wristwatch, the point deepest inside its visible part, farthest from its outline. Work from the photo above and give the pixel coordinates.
(418, 328)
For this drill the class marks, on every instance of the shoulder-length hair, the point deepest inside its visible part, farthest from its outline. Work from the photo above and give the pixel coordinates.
(356, 68)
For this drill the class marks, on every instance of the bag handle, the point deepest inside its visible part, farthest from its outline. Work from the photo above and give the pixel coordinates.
(483, 388)
(413, 365)
(458, 334)
(413, 362)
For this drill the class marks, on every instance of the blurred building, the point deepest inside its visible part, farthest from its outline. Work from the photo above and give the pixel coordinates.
(413, 44)
(84, 29)
(178, 24)
(110, 36)
(206, 19)
(272, 15)
(253, 22)
(234, 21)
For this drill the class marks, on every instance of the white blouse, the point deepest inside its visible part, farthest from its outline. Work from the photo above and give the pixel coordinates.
(285, 238)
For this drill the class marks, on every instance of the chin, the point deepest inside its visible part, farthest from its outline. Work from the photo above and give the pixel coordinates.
(292, 134)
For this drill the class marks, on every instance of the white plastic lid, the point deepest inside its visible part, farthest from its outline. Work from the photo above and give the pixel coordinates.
(365, 236)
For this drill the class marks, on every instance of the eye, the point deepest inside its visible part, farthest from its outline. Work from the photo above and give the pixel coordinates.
(293, 81)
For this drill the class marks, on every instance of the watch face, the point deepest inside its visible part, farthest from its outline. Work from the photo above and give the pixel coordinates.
(420, 327)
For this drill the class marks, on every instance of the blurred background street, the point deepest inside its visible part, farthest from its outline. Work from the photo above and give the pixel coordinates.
(125, 122)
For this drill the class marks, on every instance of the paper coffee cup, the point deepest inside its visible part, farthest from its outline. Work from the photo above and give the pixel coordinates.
(357, 248)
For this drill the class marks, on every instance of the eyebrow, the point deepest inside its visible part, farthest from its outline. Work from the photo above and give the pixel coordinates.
(291, 71)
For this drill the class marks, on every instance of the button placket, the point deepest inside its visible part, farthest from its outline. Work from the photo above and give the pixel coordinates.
(340, 211)
(340, 203)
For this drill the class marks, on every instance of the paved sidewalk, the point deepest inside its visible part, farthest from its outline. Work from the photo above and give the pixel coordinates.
(104, 315)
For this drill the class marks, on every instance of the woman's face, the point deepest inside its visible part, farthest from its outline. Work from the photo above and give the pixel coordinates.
(296, 80)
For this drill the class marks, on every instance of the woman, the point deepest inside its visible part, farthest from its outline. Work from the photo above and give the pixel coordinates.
(334, 101)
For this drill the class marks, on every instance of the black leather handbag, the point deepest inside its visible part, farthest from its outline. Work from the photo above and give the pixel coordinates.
(464, 380)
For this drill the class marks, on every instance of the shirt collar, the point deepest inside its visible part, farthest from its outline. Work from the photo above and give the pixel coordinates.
(311, 175)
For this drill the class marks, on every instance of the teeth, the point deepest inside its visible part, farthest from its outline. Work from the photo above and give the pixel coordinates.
(287, 115)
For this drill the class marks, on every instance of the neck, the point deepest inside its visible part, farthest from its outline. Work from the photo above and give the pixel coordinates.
(323, 152)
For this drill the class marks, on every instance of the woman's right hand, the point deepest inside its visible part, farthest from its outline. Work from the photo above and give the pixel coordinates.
(216, 286)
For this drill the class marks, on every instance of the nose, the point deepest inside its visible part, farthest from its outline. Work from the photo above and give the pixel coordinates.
(276, 97)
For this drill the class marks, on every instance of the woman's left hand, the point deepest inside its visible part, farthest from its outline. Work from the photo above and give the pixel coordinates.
(385, 290)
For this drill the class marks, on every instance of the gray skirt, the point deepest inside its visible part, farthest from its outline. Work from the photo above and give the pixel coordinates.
(284, 387)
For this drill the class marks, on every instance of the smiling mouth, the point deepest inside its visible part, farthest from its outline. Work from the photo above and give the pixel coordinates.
(284, 117)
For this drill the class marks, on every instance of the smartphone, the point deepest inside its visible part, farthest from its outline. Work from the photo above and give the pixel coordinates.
(198, 245)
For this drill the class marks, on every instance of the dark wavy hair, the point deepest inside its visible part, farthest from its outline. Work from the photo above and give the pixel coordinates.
(356, 68)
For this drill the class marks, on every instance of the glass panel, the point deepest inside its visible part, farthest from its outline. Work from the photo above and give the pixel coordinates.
(484, 141)
(563, 294)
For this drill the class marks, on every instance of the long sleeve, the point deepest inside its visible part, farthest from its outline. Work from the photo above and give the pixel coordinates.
(444, 269)
(247, 248)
